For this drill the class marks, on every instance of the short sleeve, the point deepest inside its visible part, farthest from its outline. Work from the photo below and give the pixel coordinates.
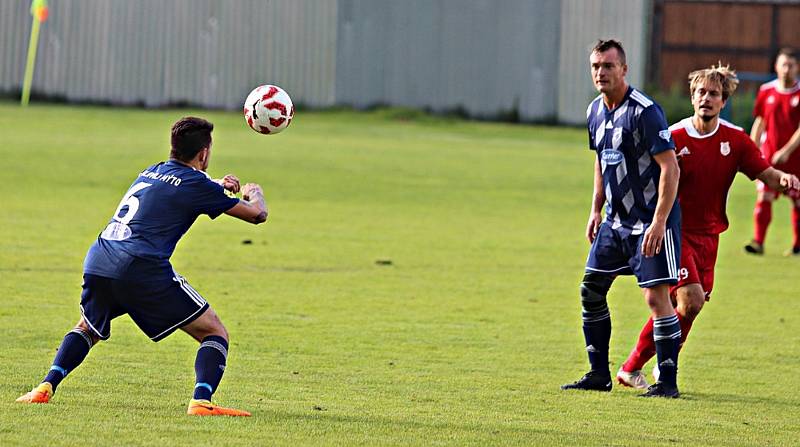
(655, 134)
(209, 198)
(591, 137)
(758, 108)
(751, 161)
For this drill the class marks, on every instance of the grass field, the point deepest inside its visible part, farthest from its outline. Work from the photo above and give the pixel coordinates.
(463, 340)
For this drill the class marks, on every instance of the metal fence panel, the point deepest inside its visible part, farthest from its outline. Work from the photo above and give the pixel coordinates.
(482, 57)
(153, 52)
(582, 23)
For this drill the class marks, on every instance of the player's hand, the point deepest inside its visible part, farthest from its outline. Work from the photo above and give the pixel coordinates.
(653, 239)
(780, 157)
(789, 182)
(593, 226)
(251, 189)
(230, 182)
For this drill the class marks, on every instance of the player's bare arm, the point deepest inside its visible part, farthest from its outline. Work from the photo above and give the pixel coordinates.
(667, 191)
(779, 180)
(598, 198)
(757, 130)
(783, 154)
(252, 208)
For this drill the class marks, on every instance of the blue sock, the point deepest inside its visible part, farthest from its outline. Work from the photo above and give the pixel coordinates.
(209, 366)
(667, 335)
(73, 350)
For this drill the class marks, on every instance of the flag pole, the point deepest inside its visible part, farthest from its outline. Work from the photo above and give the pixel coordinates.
(39, 13)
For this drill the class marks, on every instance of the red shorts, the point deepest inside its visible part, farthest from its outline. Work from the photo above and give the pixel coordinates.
(794, 195)
(698, 257)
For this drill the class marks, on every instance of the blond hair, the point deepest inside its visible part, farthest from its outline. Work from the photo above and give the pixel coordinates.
(724, 76)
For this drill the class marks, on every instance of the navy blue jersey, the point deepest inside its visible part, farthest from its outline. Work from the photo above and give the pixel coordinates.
(625, 139)
(159, 207)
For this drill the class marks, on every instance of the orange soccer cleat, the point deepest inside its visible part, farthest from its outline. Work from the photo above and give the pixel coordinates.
(39, 395)
(199, 407)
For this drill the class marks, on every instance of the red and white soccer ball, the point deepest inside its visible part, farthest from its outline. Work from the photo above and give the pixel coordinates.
(268, 109)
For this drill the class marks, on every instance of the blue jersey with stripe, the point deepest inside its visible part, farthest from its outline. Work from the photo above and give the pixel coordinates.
(626, 138)
(159, 207)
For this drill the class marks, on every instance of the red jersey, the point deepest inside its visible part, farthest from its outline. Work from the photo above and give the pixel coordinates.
(780, 114)
(708, 165)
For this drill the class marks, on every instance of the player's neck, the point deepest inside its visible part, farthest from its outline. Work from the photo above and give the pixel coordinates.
(786, 84)
(613, 99)
(194, 164)
(705, 127)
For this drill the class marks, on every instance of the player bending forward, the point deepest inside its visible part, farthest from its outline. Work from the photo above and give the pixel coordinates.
(711, 152)
(127, 270)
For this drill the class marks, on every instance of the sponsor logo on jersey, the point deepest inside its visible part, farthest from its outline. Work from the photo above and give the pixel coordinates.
(611, 156)
(771, 99)
(664, 134)
(725, 148)
(684, 151)
(795, 100)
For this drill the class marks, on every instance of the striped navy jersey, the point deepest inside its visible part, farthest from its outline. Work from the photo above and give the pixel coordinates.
(625, 139)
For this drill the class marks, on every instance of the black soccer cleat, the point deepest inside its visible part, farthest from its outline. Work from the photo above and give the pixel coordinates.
(592, 381)
(661, 389)
(754, 248)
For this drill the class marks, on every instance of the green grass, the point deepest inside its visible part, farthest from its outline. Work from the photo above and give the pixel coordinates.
(463, 340)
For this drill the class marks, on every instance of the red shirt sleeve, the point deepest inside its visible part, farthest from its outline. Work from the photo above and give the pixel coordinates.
(751, 161)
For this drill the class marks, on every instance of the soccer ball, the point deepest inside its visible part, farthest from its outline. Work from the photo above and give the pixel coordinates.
(268, 109)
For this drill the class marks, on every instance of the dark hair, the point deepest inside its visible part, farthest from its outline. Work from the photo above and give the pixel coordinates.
(604, 45)
(786, 51)
(190, 135)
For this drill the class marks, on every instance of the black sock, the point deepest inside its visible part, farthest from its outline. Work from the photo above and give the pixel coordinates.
(209, 366)
(73, 350)
(667, 335)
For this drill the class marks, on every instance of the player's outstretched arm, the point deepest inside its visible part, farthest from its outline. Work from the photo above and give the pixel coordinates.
(252, 208)
(778, 180)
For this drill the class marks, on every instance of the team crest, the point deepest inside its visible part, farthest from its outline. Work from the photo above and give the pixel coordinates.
(664, 134)
(795, 101)
(725, 148)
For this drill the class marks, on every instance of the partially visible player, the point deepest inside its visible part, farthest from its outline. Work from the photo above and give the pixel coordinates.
(711, 152)
(636, 176)
(127, 269)
(777, 130)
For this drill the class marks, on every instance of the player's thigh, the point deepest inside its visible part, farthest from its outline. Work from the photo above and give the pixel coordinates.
(661, 268)
(765, 193)
(161, 307)
(607, 255)
(99, 305)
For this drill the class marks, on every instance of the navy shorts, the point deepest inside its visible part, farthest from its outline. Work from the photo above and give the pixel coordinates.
(617, 253)
(157, 307)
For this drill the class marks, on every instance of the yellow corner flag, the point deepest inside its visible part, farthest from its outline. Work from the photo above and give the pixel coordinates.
(39, 12)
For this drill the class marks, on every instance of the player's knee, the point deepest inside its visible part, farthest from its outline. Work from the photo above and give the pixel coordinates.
(83, 328)
(594, 288)
(691, 306)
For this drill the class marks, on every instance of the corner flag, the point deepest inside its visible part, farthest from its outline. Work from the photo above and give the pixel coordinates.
(39, 12)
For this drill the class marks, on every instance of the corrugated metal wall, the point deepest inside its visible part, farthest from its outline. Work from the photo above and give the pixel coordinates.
(156, 52)
(582, 23)
(519, 58)
(481, 56)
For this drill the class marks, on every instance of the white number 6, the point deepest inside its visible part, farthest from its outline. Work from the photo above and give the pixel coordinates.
(132, 203)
